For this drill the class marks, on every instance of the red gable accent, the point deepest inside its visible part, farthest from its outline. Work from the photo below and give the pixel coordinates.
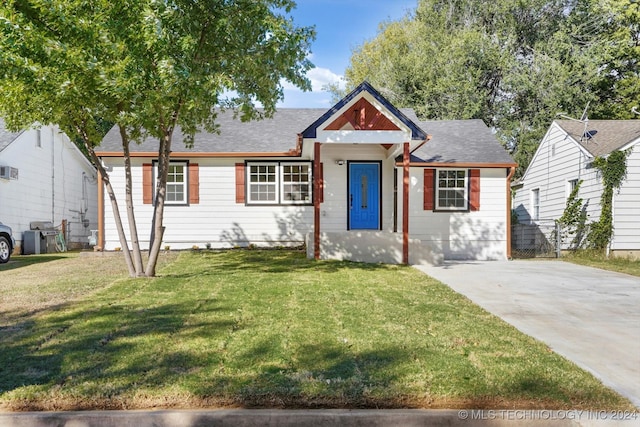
(363, 116)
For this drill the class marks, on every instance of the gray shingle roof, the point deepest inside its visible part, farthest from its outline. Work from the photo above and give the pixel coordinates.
(460, 141)
(6, 136)
(276, 135)
(468, 141)
(603, 136)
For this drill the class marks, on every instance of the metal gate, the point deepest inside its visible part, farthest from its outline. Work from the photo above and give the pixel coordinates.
(537, 239)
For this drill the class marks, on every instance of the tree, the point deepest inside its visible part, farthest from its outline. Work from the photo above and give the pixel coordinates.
(148, 67)
(515, 65)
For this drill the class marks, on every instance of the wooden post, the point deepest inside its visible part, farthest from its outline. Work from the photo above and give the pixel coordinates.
(316, 200)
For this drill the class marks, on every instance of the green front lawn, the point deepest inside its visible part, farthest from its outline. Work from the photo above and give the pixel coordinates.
(271, 329)
(598, 260)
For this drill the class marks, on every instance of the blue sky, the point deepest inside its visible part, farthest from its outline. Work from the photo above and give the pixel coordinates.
(341, 26)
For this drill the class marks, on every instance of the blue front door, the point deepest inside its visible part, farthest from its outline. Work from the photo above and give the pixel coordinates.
(364, 196)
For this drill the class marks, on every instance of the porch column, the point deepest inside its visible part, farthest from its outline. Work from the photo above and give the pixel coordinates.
(316, 200)
(405, 204)
(101, 237)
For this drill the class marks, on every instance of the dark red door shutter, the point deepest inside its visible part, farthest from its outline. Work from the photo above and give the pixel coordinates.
(240, 183)
(429, 183)
(194, 183)
(474, 190)
(147, 183)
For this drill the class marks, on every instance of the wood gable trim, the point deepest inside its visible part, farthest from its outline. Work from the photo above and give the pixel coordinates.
(362, 116)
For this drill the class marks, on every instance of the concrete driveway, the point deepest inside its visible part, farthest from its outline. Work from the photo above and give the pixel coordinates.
(589, 316)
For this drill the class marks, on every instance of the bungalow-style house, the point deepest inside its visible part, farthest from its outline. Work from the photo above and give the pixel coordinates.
(362, 181)
(564, 157)
(45, 178)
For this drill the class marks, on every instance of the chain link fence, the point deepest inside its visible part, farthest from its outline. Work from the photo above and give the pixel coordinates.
(537, 239)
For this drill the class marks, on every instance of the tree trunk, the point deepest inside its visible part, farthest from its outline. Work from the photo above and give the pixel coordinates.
(157, 228)
(114, 207)
(133, 229)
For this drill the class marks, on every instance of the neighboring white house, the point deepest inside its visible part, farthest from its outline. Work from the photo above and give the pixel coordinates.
(362, 181)
(45, 177)
(564, 157)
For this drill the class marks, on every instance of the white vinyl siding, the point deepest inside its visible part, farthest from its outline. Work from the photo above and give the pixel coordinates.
(626, 207)
(479, 235)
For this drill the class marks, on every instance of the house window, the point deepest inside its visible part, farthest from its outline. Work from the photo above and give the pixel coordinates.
(571, 185)
(177, 183)
(279, 183)
(38, 138)
(451, 189)
(535, 204)
(262, 183)
(296, 183)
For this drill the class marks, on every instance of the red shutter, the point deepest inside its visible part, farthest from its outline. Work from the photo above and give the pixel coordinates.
(147, 183)
(321, 178)
(194, 183)
(474, 190)
(429, 176)
(240, 183)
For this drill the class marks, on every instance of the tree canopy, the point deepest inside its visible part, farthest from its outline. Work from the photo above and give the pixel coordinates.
(515, 65)
(147, 66)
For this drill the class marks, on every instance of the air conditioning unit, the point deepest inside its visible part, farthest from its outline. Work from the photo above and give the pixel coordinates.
(7, 172)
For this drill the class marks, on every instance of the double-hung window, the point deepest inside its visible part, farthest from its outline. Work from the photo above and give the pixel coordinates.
(177, 183)
(535, 204)
(279, 183)
(451, 189)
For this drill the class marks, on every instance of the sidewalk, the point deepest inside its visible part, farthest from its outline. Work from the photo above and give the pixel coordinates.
(320, 417)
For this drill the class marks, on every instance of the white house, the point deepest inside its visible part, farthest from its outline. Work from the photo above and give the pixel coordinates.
(564, 157)
(363, 181)
(45, 177)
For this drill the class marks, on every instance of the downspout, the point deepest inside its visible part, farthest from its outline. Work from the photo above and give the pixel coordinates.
(512, 171)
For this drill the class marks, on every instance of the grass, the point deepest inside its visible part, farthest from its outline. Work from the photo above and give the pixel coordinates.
(599, 260)
(267, 329)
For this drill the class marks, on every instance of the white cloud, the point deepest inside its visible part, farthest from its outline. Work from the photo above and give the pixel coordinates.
(319, 77)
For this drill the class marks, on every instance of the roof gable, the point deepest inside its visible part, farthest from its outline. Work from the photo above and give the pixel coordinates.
(368, 115)
(6, 136)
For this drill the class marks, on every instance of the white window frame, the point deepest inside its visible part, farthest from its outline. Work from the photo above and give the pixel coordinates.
(252, 183)
(571, 184)
(535, 204)
(465, 189)
(279, 184)
(184, 184)
(284, 183)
